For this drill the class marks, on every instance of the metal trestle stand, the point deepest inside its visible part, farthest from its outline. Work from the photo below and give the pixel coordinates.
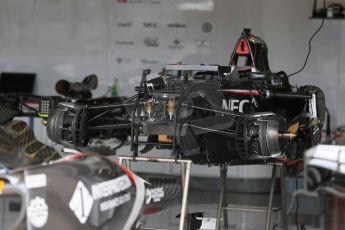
(223, 207)
(185, 174)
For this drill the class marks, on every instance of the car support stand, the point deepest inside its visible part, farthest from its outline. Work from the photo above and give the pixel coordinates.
(185, 174)
(223, 206)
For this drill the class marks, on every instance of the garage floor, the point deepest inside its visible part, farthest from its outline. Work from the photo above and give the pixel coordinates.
(309, 212)
(238, 220)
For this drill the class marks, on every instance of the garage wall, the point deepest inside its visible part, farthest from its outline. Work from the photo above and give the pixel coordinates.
(73, 38)
(117, 38)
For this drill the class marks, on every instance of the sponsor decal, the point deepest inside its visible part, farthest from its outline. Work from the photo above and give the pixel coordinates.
(148, 61)
(115, 202)
(154, 195)
(177, 25)
(236, 104)
(125, 24)
(35, 181)
(207, 27)
(81, 202)
(110, 187)
(151, 42)
(176, 44)
(37, 212)
(82, 199)
(124, 42)
(150, 24)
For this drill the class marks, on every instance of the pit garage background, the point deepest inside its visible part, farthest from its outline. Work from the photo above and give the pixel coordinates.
(116, 39)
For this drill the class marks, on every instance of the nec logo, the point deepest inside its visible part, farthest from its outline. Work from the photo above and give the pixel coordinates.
(236, 104)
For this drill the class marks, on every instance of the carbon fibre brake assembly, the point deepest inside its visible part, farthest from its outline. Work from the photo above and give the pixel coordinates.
(76, 121)
(74, 124)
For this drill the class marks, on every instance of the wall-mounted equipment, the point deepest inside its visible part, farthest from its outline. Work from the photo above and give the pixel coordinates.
(334, 10)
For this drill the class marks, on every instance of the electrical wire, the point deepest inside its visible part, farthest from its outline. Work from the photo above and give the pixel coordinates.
(110, 106)
(212, 110)
(211, 130)
(291, 204)
(297, 200)
(309, 44)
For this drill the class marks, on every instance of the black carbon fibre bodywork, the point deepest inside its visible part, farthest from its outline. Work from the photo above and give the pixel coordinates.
(84, 179)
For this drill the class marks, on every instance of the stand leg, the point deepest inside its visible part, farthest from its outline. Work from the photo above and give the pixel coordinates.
(223, 172)
(183, 174)
(185, 182)
(125, 163)
(282, 196)
(270, 201)
(185, 171)
(225, 202)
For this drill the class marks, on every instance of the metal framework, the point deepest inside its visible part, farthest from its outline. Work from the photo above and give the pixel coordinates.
(223, 206)
(185, 174)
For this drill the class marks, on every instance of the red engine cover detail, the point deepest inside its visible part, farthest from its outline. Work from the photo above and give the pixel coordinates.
(242, 48)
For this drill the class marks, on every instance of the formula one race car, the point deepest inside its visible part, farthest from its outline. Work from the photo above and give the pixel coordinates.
(78, 191)
(213, 114)
(83, 190)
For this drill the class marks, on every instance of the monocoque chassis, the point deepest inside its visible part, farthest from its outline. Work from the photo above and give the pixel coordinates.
(187, 109)
(207, 113)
